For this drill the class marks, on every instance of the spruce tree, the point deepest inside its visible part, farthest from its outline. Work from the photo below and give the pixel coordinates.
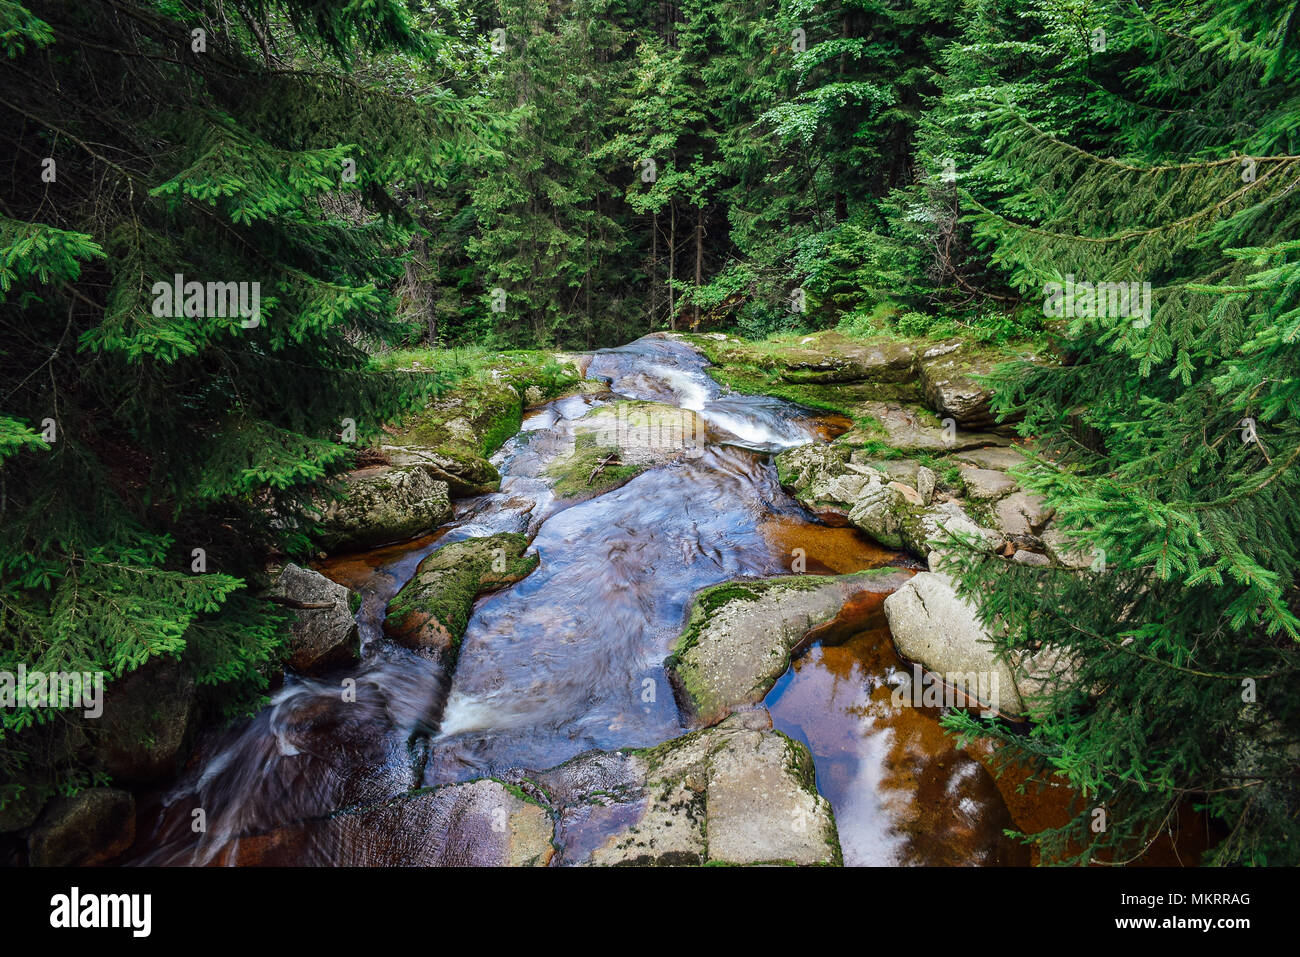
(153, 452)
(1167, 440)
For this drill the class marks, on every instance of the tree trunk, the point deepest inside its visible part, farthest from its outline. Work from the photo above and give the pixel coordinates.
(672, 260)
(699, 261)
(654, 269)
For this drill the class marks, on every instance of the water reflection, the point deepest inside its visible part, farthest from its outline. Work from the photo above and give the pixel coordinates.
(902, 792)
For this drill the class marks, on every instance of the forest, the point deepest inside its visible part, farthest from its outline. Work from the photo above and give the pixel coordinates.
(252, 251)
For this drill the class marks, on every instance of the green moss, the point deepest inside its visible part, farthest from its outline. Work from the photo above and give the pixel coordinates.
(710, 600)
(447, 583)
(523, 795)
(570, 474)
(501, 427)
(881, 450)
(488, 395)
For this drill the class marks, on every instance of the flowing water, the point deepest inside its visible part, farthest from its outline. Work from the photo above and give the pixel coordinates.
(561, 662)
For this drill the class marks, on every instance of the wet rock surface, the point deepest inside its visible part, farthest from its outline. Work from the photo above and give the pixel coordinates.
(431, 610)
(88, 828)
(738, 793)
(142, 734)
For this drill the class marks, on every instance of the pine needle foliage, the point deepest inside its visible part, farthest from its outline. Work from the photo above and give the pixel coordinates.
(255, 141)
(1168, 443)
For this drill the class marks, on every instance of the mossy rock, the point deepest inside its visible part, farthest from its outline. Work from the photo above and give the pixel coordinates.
(538, 376)
(431, 611)
(466, 473)
(381, 505)
(826, 371)
(476, 418)
(740, 635)
(583, 473)
(910, 429)
(632, 436)
(736, 794)
(144, 731)
(88, 828)
(830, 357)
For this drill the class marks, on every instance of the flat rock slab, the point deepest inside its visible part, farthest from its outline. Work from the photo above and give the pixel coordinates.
(614, 443)
(986, 484)
(1000, 457)
(830, 357)
(912, 428)
(740, 635)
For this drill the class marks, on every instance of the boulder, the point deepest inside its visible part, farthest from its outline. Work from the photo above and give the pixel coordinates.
(933, 525)
(953, 376)
(737, 793)
(431, 610)
(830, 357)
(382, 505)
(142, 733)
(876, 498)
(740, 635)
(896, 516)
(324, 630)
(88, 828)
(453, 436)
(812, 473)
(935, 627)
(465, 473)
(475, 419)
(886, 511)
(1021, 513)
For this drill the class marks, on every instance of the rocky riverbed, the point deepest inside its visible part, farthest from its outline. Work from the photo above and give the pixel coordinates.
(557, 610)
